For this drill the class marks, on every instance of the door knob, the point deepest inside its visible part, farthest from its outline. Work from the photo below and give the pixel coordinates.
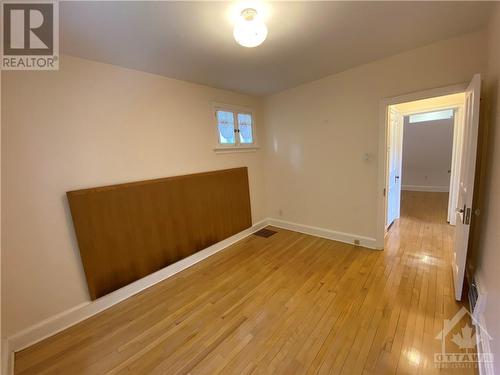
(460, 210)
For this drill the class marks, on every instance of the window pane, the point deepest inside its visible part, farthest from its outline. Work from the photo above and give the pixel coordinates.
(245, 127)
(225, 125)
(431, 116)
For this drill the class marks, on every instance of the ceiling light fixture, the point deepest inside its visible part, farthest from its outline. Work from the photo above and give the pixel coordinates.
(250, 31)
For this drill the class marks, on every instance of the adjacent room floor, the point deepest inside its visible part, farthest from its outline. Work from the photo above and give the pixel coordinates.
(289, 303)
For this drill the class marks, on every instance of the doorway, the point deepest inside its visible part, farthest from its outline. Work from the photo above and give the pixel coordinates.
(422, 152)
(434, 103)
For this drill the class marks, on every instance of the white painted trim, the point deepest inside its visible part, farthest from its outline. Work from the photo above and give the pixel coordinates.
(458, 130)
(325, 233)
(68, 318)
(426, 188)
(382, 145)
(382, 172)
(426, 94)
(229, 150)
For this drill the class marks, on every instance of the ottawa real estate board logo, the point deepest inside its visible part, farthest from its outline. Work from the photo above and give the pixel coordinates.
(30, 35)
(464, 345)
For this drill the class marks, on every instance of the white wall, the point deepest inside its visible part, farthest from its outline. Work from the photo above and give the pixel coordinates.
(92, 124)
(489, 261)
(318, 133)
(427, 152)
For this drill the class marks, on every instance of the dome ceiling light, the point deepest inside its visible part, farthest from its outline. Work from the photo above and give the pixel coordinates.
(249, 30)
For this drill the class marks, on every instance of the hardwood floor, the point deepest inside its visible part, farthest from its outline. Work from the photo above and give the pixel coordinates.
(290, 303)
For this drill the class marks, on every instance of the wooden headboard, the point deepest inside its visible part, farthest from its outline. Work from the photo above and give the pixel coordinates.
(128, 231)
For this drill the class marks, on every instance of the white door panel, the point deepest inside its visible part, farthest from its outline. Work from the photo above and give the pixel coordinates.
(466, 185)
(394, 157)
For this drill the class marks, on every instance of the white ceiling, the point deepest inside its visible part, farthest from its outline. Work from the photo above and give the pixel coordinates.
(193, 41)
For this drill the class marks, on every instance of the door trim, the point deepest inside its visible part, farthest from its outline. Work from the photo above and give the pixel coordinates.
(382, 144)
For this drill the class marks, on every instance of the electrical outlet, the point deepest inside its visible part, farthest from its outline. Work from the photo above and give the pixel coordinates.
(356, 242)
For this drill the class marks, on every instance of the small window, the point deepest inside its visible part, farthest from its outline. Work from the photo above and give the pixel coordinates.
(245, 128)
(431, 116)
(235, 128)
(225, 124)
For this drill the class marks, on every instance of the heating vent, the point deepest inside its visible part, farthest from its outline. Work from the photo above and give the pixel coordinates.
(473, 295)
(477, 299)
(265, 233)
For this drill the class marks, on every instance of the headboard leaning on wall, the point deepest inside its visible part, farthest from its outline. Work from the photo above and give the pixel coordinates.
(128, 231)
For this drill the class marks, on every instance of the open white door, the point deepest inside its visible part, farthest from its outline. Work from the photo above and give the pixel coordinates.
(458, 127)
(466, 185)
(394, 160)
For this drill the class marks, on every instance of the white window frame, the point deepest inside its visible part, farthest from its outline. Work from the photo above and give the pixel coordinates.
(237, 146)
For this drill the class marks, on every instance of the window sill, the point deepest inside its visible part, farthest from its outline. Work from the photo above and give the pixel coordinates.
(228, 150)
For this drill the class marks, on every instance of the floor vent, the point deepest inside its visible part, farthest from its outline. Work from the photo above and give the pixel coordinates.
(477, 299)
(473, 295)
(265, 233)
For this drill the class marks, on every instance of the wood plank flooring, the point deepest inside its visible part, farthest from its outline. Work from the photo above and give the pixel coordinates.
(287, 304)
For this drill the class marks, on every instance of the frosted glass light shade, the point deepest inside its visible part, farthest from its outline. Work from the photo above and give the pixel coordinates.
(249, 31)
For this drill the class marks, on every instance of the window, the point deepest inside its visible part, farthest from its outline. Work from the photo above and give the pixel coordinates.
(225, 124)
(245, 128)
(431, 116)
(235, 128)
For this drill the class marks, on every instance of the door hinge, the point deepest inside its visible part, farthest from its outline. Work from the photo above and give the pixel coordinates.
(384, 192)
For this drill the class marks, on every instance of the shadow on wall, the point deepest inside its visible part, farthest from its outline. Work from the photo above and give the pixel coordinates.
(73, 240)
(484, 183)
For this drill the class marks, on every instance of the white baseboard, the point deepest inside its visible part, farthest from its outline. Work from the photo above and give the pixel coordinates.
(70, 317)
(483, 347)
(441, 189)
(325, 233)
(482, 337)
